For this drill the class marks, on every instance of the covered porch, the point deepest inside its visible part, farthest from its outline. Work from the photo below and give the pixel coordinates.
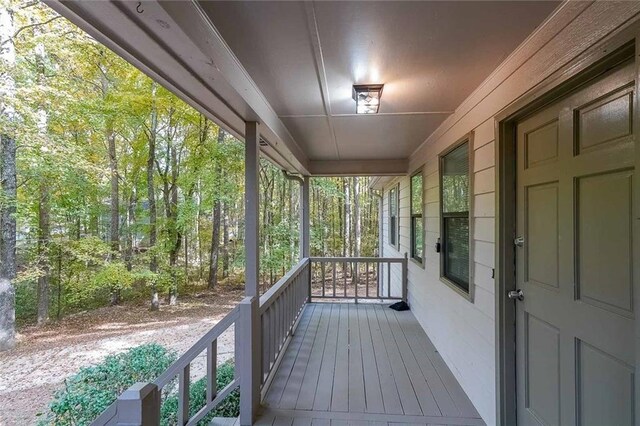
(363, 364)
(458, 77)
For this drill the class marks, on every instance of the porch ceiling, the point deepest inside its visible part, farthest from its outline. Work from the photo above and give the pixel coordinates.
(291, 65)
(305, 57)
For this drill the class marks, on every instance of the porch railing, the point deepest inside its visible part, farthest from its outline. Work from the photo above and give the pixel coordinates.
(266, 327)
(359, 278)
(280, 309)
(141, 403)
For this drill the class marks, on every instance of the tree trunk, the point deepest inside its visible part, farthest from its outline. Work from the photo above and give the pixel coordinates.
(7, 243)
(43, 254)
(151, 195)
(212, 282)
(115, 198)
(215, 247)
(172, 216)
(128, 254)
(225, 237)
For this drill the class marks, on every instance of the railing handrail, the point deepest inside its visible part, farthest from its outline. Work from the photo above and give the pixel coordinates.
(272, 294)
(359, 259)
(195, 350)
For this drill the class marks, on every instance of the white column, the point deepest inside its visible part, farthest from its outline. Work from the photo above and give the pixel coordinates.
(305, 240)
(249, 349)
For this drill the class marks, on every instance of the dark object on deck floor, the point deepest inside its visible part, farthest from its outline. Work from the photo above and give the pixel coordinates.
(400, 306)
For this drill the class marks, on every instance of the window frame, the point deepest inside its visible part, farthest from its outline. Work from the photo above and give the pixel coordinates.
(396, 188)
(418, 260)
(452, 282)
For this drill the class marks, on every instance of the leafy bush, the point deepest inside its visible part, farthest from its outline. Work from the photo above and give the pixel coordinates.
(87, 394)
(230, 407)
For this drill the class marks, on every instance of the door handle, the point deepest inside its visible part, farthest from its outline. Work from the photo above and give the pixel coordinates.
(515, 294)
(519, 242)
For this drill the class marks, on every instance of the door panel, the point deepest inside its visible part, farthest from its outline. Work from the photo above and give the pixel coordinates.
(575, 209)
(543, 389)
(604, 241)
(599, 370)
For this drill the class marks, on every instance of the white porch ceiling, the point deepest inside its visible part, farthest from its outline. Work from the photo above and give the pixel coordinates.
(305, 57)
(291, 65)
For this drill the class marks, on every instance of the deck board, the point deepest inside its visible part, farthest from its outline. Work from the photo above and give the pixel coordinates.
(363, 365)
(340, 394)
(373, 393)
(294, 383)
(390, 397)
(356, 387)
(310, 380)
(324, 389)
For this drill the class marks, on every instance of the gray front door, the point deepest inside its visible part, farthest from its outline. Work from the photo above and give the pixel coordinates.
(576, 266)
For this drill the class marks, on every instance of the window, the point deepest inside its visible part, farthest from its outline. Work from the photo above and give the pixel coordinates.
(393, 215)
(417, 224)
(454, 205)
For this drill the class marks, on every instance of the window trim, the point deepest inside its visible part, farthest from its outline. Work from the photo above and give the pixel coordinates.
(418, 261)
(395, 187)
(469, 295)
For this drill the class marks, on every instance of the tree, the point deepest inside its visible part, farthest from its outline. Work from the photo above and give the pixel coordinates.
(7, 242)
(215, 234)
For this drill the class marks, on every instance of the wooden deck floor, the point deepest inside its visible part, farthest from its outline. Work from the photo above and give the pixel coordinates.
(351, 364)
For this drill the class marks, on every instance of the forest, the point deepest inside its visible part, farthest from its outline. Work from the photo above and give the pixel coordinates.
(113, 189)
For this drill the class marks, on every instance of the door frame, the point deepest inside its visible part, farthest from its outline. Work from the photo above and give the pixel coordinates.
(592, 63)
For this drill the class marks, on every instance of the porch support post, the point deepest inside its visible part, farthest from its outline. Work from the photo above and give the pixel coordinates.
(305, 243)
(139, 405)
(250, 343)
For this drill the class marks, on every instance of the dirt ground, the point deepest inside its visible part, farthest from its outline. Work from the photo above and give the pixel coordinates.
(44, 357)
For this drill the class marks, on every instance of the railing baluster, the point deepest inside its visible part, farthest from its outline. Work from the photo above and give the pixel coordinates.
(344, 272)
(183, 395)
(355, 279)
(323, 277)
(212, 366)
(388, 279)
(334, 278)
(366, 273)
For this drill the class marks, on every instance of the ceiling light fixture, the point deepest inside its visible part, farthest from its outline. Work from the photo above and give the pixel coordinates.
(367, 97)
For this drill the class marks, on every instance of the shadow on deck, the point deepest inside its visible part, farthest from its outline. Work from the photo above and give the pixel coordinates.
(359, 364)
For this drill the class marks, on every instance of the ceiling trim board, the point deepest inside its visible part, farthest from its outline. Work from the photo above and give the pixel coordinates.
(321, 73)
(396, 167)
(371, 115)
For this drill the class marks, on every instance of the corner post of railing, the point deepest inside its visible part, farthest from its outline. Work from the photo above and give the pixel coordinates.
(139, 405)
(248, 346)
(248, 358)
(405, 277)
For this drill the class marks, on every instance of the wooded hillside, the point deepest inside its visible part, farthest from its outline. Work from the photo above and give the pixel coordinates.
(123, 191)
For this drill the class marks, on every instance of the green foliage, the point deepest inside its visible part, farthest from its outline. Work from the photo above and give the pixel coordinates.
(71, 95)
(230, 407)
(114, 276)
(87, 394)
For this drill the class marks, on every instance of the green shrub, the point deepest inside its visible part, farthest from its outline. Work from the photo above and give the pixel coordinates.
(87, 394)
(230, 407)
